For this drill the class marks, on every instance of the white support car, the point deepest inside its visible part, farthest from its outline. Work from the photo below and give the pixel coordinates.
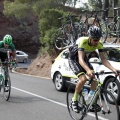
(61, 74)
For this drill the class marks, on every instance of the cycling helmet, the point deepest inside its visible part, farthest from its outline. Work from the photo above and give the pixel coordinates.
(7, 39)
(94, 32)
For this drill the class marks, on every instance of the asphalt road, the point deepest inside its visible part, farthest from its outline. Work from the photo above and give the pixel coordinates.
(25, 65)
(34, 98)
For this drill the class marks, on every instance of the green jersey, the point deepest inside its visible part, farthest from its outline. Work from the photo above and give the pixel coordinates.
(4, 50)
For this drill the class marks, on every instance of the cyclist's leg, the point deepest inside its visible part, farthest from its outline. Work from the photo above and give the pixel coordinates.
(79, 71)
(109, 107)
(93, 84)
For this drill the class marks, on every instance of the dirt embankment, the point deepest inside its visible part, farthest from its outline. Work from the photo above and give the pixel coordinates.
(39, 67)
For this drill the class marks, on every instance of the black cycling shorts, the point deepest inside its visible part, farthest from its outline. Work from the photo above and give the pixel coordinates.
(77, 68)
(3, 56)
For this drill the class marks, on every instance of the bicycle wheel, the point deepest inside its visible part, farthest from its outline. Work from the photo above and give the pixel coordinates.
(61, 39)
(7, 88)
(112, 33)
(103, 27)
(108, 111)
(74, 115)
(1, 82)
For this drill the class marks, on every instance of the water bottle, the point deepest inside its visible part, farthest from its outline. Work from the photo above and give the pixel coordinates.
(90, 95)
(85, 94)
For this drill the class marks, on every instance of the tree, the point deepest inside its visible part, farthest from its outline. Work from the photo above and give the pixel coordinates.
(105, 5)
(19, 8)
(95, 4)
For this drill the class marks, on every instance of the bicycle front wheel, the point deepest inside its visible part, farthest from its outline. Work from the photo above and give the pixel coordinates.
(74, 115)
(109, 107)
(7, 88)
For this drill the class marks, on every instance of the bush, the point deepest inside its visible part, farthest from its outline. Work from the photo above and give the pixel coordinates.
(48, 24)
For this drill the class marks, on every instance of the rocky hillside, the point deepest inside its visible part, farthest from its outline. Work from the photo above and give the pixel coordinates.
(26, 37)
(25, 33)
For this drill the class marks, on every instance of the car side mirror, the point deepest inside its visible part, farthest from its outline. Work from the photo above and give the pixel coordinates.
(95, 60)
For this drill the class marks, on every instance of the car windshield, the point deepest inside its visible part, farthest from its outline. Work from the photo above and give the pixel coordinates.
(65, 54)
(112, 54)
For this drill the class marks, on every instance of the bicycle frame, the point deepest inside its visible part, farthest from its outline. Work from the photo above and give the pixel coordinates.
(98, 92)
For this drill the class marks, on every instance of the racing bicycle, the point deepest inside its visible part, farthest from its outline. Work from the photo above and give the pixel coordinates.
(5, 87)
(68, 33)
(108, 108)
(113, 29)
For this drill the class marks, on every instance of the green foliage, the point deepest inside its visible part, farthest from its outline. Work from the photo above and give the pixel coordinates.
(48, 24)
(49, 19)
(40, 5)
(48, 39)
(22, 1)
(16, 9)
(95, 4)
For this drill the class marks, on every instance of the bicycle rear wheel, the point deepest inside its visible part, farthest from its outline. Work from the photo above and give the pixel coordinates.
(61, 39)
(112, 33)
(103, 27)
(74, 115)
(7, 88)
(109, 111)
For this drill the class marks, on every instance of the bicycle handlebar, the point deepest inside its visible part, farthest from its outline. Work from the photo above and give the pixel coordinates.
(6, 62)
(101, 73)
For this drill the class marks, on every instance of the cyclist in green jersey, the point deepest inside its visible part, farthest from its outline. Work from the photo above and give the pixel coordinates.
(7, 48)
(80, 63)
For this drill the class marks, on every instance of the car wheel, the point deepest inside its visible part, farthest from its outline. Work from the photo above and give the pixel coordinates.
(59, 82)
(114, 88)
(25, 60)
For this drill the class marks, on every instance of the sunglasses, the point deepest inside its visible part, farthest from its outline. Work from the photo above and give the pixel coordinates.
(95, 39)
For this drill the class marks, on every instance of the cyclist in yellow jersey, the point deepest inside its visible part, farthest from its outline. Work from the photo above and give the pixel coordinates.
(79, 62)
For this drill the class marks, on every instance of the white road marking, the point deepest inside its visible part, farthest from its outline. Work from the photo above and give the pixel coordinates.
(53, 101)
(40, 96)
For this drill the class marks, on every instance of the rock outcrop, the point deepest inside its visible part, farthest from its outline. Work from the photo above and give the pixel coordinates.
(25, 33)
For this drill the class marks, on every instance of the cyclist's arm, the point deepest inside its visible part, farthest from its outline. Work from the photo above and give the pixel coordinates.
(14, 54)
(8, 54)
(13, 50)
(105, 61)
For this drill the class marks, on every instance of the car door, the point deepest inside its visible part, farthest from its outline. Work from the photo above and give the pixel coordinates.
(20, 56)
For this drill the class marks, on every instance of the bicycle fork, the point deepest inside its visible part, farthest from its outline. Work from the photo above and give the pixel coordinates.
(106, 103)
